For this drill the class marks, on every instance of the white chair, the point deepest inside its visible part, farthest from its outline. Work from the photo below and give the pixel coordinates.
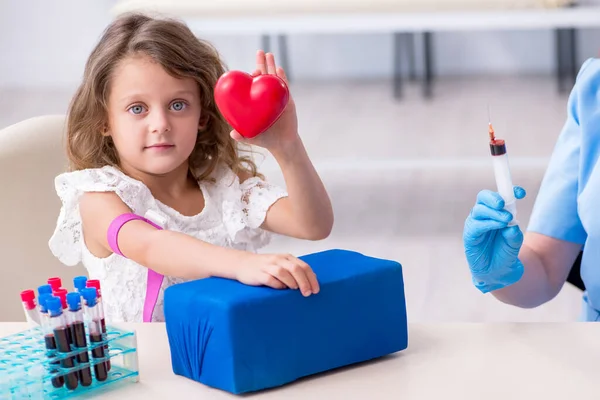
(31, 155)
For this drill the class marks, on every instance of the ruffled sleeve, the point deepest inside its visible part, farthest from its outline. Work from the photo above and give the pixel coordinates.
(245, 207)
(257, 197)
(67, 241)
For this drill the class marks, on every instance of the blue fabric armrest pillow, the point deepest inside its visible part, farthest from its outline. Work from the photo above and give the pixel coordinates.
(241, 338)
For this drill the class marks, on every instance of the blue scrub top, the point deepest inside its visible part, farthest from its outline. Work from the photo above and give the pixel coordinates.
(568, 204)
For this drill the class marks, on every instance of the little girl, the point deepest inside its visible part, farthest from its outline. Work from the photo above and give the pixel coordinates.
(157, 186)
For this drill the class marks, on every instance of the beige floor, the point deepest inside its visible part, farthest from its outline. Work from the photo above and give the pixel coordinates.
(403, 175)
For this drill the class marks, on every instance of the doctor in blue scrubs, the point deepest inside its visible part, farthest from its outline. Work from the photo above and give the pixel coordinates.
(527, 270)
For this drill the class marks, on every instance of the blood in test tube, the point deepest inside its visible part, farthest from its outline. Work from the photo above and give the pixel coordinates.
(62, 295)
(49, 340)
(75, 318)
(94, 317)
(59, 326)
(95, 283)
(55, 283)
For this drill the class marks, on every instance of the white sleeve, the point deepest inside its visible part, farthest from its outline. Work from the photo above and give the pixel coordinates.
(245, 207)
(67, 241)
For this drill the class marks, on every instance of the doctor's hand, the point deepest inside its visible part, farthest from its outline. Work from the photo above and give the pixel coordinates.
(491, 246)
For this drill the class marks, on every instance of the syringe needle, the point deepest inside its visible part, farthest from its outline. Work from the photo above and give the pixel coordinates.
(490, 127)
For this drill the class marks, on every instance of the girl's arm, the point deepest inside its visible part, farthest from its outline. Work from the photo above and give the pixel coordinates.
(307, 212)
(547, 263)
(167, 252)
(180, 255)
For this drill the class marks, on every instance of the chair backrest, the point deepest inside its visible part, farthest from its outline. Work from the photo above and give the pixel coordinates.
(31, 156)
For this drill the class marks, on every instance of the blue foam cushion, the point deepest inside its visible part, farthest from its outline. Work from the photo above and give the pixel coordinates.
(242, 338)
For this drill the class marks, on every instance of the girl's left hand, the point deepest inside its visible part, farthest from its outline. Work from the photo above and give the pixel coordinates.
(283, 134)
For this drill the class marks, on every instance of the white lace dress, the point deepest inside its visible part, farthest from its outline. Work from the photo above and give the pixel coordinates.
(231, 217)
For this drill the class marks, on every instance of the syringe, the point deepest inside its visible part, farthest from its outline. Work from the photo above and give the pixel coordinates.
(502, 173)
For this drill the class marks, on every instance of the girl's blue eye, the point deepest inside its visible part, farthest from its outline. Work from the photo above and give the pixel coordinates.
(178, 105)
(137, 109)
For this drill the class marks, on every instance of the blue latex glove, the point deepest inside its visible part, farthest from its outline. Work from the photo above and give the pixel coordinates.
(491, 247)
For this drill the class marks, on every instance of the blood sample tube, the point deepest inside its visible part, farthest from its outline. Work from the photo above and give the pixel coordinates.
(44, 289)
(50, 342)
(55, 283)
(44, 292)
(43, 310)
(95, 283)
(94, 317)
(49, 336)
(59, 326)
(79, 283)
(62, 295)
(75, 318)
(30, 308)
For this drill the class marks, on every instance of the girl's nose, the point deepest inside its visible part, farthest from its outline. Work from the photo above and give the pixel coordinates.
(159, 123)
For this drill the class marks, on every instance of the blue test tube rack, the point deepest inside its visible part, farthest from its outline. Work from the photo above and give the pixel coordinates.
(27, 369)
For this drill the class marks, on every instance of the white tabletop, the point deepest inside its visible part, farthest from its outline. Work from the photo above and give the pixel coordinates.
(449, 361)
(356, 16)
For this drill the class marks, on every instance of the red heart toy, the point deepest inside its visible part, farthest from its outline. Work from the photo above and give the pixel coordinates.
(251, 104)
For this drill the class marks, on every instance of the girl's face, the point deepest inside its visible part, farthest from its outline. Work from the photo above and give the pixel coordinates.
(153, 117)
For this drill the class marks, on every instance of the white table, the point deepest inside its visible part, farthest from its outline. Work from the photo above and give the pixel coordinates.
(445, 361)
(380, 16)
(288, 17)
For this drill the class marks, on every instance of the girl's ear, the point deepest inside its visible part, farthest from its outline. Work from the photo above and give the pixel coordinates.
(203, 122)
(105, 131)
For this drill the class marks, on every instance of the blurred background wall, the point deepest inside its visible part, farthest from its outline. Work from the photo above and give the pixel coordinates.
(45, 43)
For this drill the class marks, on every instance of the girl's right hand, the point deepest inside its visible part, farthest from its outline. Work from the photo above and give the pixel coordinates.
(278, 271)
(491, 246)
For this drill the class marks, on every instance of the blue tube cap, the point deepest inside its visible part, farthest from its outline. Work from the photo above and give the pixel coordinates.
(54, 305)
(44, 289)
(74, 301)
(79, 282)
(90, 295)
(42, 299)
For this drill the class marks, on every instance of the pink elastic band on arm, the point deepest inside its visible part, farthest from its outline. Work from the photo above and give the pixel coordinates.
(154, 280)
(117, 224)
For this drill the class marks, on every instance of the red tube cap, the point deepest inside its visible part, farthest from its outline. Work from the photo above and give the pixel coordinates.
(55, 283)
(94, 283)
(28, 298)
(62, 295)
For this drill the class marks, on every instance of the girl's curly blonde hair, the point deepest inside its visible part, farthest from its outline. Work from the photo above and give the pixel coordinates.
(171, 44)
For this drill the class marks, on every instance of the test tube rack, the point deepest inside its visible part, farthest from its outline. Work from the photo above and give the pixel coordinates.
(29, 371)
